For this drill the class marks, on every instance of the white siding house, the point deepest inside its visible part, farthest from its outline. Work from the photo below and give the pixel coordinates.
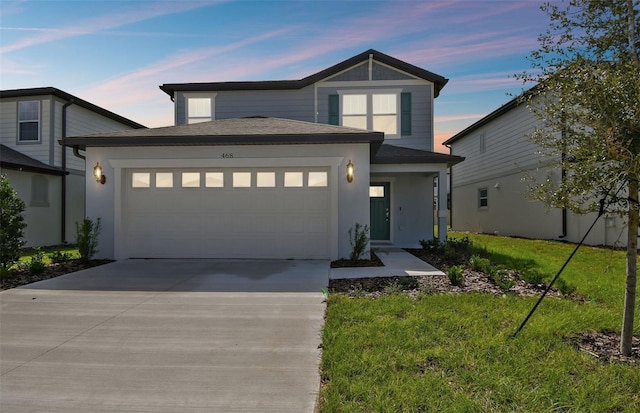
(50, 182)
(489, 192)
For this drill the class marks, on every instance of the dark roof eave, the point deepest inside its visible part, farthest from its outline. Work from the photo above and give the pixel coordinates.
(448, 159)
(437, 80)
(31, 168)
(223, 140)
(70, 98)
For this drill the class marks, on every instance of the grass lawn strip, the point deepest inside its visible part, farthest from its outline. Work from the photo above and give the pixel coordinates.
(453, 352)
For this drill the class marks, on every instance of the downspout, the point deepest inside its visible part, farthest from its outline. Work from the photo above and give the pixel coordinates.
(63, 159)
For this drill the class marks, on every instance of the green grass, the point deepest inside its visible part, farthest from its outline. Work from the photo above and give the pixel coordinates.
(27, 254)
(453, 353)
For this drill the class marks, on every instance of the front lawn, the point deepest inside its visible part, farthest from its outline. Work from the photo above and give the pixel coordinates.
(453, 352)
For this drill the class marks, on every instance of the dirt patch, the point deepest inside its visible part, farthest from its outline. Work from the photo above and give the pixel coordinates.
(606, 347)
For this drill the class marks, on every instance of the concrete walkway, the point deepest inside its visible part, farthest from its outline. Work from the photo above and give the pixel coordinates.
(165, 336)
(397, 262)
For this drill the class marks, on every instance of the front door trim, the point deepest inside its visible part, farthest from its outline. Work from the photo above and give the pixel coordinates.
(389, 184)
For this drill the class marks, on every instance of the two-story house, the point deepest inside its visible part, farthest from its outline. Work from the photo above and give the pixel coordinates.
(50, 181)
(490, 193)
(276, 169)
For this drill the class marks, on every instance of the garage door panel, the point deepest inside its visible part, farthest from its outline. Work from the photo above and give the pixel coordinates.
(228, 222)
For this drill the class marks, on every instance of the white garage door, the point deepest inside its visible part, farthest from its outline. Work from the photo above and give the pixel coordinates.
(227, 213)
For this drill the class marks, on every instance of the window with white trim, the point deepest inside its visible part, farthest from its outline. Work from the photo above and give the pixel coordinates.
(372, 110)
(483, 198)
(29, 121)
(199, 108)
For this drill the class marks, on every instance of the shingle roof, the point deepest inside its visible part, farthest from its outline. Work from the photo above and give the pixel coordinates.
(389, 154)
(237, 131)
(12, 159)
(437, 80)
(39, 91)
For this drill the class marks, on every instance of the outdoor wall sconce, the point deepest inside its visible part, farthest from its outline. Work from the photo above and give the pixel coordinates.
(97, 173)
(350, 171)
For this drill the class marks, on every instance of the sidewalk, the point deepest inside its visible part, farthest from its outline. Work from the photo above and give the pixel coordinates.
(397, 262)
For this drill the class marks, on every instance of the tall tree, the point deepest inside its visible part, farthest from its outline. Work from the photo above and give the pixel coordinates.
(587, 95)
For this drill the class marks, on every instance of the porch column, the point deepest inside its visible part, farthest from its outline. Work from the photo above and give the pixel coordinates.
(443, 213)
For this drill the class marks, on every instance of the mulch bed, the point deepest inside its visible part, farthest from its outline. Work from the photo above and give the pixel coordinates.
(18, 278)
(344, 263)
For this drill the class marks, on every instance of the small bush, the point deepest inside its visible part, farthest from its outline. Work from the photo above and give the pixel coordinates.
(358, 238)
(533, 277)
(87, 238)
(11, 225)
(432, 245)
(455, 274)
(58, 257)
(501, 279)
(564, 287)
(480, 264)
(36, 263)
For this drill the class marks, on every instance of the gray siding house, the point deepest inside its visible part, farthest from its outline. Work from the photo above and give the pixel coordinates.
(49, 180)
(276, 169)
(489, 194)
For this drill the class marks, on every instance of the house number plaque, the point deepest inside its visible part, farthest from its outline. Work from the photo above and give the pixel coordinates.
(227, 155)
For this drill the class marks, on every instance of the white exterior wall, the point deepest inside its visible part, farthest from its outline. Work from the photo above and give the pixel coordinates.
(106, 201)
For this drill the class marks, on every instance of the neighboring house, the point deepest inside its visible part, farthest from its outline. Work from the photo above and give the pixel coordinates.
(259, 169)
(490, 192)
(50, 181)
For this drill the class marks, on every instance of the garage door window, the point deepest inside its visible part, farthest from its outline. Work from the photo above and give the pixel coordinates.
(214, 180)
(266, 179)
(317, 179)
(140, 180)
(242, 179)
(164, 179)
(293, 179)
(191, 179)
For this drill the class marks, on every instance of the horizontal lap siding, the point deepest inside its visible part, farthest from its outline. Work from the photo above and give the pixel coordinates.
(9, 128)
(507, 148)
(289, 104)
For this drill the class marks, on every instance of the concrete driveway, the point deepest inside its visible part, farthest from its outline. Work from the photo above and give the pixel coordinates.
(165, 336)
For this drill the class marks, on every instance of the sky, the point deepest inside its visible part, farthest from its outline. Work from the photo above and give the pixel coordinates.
(115, 54)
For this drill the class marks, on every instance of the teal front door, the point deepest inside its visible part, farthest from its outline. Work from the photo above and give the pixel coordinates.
(380, 211)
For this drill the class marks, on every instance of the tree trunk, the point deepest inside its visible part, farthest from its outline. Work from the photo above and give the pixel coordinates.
(632, 254)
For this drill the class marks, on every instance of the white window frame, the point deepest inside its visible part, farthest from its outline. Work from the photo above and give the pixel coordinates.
(190, 119)
(369, 110)
(481, 198)
(21, 121)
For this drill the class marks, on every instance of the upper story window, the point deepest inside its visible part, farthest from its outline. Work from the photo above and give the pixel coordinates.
(387, 111)
(29, 121)
(200, 108)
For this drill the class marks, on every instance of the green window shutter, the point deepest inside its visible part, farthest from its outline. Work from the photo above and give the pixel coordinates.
(405, 114)
(334, 110)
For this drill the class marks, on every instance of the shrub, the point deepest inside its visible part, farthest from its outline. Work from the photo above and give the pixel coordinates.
(501, 279)
(36, 263)
(432, 245)
(480, 264)
(564, 287)
(533, 276)
(11, 225)
(58, 257)
(87, 238)
(455, 274)
(358, 238)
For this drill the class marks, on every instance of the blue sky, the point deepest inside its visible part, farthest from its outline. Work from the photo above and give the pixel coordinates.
(116, 53)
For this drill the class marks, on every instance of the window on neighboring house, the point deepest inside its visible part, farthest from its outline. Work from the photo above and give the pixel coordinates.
(29, 121)
(387, 111)
(39, 191)
(200, 108)
(483, 198)
(483, 143)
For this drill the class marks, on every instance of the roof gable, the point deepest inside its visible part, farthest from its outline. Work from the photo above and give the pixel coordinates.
(437, 80)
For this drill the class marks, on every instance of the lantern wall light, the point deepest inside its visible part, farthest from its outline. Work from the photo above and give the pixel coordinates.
(350, 171)
(99, 174)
